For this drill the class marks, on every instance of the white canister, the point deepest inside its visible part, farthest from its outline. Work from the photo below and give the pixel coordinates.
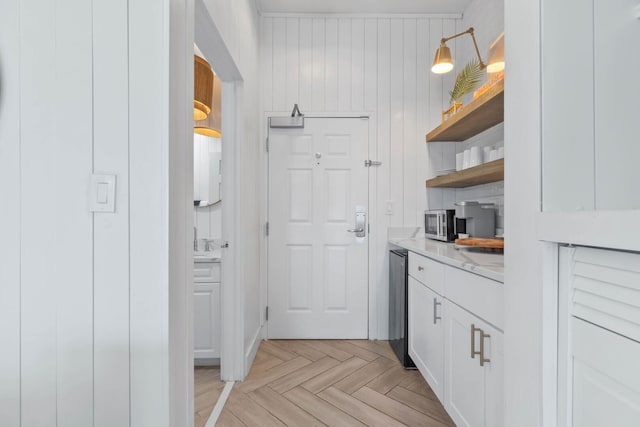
(475, 158)
(501, 153)
(493, 155)
(466, 159)
(459, 161)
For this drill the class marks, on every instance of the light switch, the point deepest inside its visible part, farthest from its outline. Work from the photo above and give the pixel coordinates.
(103, 196)
(103, 191)
(388, 207)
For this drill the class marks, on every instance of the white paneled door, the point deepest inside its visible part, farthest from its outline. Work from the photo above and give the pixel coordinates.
(318, 266)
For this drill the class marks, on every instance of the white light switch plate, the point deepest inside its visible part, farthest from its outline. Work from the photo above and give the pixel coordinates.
(389, 207)
(103, 193)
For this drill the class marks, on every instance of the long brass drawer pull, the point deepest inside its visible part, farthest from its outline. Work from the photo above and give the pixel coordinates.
(473, 341)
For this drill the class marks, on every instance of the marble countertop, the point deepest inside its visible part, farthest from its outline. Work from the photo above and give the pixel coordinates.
(489, 265)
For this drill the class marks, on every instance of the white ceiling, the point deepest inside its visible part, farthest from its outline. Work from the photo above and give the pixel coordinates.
(362, 6)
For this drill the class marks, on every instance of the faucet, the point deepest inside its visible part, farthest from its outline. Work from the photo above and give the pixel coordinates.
(195, 239)
(209, 245)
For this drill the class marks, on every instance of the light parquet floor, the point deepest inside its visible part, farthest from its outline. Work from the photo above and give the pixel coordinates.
(208, 388)
(331, 383)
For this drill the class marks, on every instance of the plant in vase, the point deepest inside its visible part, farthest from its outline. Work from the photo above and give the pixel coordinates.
(466, 81)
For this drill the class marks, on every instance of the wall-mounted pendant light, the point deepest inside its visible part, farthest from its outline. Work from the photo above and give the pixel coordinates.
(202, 88)
(212, 125)
(496, 55)
(443, 63)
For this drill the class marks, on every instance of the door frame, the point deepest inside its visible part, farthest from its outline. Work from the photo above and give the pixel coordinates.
(375, 228)
(211, 44)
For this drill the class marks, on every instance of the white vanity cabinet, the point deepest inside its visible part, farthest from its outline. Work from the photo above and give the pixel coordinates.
(206, 310)
(454, 340)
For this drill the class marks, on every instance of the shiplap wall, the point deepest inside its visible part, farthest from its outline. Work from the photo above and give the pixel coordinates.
(379, 65)
(84, 297)
(487, 19)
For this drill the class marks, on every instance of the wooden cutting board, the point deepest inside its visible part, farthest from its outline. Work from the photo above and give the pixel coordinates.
(481, 243)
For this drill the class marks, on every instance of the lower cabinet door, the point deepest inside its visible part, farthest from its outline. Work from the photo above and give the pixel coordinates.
(206, 320)
(606, 378)
(464, 378)
(473, 389)
(426, 334)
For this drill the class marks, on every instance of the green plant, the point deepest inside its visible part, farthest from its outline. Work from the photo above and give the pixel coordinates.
(466, 80)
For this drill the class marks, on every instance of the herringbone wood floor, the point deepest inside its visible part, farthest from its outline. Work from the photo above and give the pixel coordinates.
(333, 383)
(207, 384)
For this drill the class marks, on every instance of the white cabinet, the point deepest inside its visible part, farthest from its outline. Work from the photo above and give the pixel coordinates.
(206, 310)
(454, 340)
(474, 363)
(598, 338)
(426, 338)
(606, 379)
(590, 91)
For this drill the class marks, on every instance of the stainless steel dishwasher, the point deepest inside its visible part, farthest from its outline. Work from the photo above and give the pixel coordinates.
(398, 305)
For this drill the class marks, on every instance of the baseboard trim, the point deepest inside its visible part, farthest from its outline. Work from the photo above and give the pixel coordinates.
(253, 350)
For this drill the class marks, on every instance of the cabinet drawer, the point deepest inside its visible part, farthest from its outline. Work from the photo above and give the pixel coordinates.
(427, 271)
(479, 295)
(206, 272)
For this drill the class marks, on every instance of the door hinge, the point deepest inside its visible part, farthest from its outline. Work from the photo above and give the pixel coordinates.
(267, 144)
(266, 313)
(266, 229)
(369, 163)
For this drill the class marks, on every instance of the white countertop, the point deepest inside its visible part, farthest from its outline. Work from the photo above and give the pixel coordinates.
(489, 265)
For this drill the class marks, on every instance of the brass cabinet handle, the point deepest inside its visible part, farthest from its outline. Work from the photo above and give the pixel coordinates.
(435, 310)
(473, 341)
(483, 360)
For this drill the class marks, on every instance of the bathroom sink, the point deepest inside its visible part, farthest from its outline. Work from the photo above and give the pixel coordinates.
(207, 256)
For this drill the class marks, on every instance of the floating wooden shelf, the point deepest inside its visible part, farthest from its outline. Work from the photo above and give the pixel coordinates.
(485, 111)
(481, 174)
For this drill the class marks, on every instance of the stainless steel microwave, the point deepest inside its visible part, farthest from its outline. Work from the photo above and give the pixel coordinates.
(439, 224)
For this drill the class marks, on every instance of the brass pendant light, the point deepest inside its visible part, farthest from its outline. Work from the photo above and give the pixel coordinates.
(211, 126)
(202, 88)
(443, 63)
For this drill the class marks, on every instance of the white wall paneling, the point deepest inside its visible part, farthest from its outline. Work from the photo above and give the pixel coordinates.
(91, 343)
(381, 65)
(10, 221)
(524, 284)
(111, 231)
